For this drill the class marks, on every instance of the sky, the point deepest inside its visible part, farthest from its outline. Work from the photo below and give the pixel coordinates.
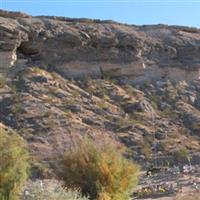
(138, 12)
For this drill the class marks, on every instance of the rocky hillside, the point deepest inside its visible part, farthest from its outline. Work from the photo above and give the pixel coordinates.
(64, 78)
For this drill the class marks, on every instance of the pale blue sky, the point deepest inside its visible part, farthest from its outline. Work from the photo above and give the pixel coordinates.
(173, 12)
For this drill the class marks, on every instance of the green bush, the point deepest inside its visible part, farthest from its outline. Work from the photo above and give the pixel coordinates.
(13, 164)
(100, 171)
(49, 190)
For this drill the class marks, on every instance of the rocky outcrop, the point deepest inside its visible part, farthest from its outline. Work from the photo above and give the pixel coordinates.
(81, 48)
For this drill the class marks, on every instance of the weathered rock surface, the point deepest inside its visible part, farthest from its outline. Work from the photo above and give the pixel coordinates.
(81, 48)
(66, 78)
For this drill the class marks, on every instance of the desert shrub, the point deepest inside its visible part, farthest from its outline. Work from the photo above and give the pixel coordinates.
(49, 190)
(39, 169)
(37, 70)
(13, 164)
(100, 171)
(102, 104)
(2, 81)
(127, 121)
(181, 155)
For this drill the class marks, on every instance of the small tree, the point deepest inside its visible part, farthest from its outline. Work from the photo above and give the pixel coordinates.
(100, 171)
(13, 164)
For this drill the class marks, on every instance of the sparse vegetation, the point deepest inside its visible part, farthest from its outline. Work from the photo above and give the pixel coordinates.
(48, 98)
(97, 91)
(121, 122)
(17, 104)
(36, 70)
(169, 113)
(55, 76)
(39, 169)
(16, 108)
(130, 90)
(146, 150)
(13, 88)
(181, 154)
(102, 105)
(127, 121)
(107, 75)
(13, 165)
(154, 100)
(2, 81)
(171, 93)
(100, 171)
(49, 190)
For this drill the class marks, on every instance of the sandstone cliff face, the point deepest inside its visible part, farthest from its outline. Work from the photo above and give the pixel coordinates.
(80, 48)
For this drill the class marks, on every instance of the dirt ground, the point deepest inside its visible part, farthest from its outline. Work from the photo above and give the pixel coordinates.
(183, 185)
